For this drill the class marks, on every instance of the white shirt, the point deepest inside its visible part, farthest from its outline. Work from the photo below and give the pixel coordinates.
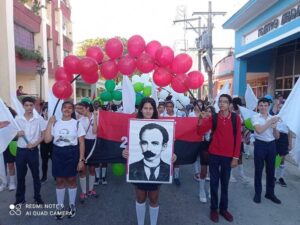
(32, 129)
(282, 127)
(87, 124)
(165, 114)
(267, 135)
(66, 133)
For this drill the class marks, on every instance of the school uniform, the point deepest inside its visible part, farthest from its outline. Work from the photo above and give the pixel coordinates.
(65, 155)
(32, 129)
(282, 144)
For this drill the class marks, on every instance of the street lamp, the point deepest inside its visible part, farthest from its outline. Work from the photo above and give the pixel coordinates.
(40, 69)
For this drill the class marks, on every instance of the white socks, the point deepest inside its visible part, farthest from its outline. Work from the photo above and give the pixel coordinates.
(202, 194)
(103, 172)
(97, 169)
(83, 184)
(197, 165)
(241, 170)
(176, 173)
(60, 196)
(91, 182)
(72, 195)
(281, 171)
(153, 214)
(140, 212)
(12, 180)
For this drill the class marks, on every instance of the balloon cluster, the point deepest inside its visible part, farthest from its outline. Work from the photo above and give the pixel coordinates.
(180, 100)
(111, 93)
(142, 87)
(168, 69)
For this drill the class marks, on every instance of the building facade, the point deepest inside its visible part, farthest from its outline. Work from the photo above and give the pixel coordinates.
(267, 46)
(42, 36)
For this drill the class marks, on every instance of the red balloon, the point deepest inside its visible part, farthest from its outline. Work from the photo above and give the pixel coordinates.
(62, 89)
(164, 56)
(152, 47)
(182, 63)
(91, 78)
(109, 70)
(95, 53)
(136, 45)
(61, 74)
(179, 83)
(71, 64)
(114, 48)
(195, 79)
(145, 63)
(88, 65)
(126, 65)
(162, 77)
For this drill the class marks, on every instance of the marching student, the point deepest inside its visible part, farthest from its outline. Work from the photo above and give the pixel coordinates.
(265, 150)
(30, 136)
(67, 156)
(224, 152)
(89, 122)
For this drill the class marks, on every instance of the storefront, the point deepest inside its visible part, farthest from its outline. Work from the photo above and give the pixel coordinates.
(267, 46)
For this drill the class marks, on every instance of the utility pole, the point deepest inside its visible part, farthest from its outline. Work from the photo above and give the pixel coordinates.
(189, 26)
(209, 49)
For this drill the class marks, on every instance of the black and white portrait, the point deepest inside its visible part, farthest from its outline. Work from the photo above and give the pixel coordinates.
(150, 151)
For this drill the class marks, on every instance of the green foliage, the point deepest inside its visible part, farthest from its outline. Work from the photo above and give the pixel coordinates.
(29, 54)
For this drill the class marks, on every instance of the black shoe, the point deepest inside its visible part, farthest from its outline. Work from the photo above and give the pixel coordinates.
(177, 182)
(282, 182)
(104, 181)
(256, 199)
(60, 213)
(39, 201)
(97, 181)
(20, 202)
(71, 211)
(273, 198)
(43, 180)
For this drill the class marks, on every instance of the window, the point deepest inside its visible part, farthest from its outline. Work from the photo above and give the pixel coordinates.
(289, 64)
(279, 66)
(23, 38)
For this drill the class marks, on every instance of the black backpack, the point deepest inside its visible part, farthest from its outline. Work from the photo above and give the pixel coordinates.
(233, 122)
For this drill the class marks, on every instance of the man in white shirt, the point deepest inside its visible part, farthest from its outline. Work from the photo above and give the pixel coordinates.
(30, 136)
(265, 150)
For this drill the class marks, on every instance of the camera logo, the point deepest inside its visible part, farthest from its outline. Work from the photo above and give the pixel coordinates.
(15, 210)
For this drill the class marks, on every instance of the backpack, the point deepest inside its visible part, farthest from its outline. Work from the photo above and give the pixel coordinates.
(233, 122)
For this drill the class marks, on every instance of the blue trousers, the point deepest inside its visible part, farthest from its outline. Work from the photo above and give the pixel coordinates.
(219, 170)
(28, 157)
(264, 153)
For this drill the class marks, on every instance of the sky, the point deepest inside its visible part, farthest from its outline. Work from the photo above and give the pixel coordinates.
(152, 19)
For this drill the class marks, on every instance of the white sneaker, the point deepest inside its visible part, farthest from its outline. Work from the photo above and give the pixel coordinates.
(244, 179)
(2, 187)
(232, 179)
(202, 196)
(12, 187)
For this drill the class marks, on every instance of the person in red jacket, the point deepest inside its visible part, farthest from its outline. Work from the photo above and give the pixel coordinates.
(224, 152)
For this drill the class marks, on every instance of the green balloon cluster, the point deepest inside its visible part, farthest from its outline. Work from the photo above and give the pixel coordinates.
(138, 87)
(13, 148)
(248, 124)
(118, 169)
(87, 100)
(147, 91)
(110, 93)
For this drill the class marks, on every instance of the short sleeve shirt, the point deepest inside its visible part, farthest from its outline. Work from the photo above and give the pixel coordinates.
(267, 135)
(88, 124)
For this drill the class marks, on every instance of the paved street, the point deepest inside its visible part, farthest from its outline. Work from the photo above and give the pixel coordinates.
(178, 206)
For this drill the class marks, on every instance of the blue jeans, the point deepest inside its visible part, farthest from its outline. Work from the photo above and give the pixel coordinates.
(219, 170)
(264, 152)
(28, 157)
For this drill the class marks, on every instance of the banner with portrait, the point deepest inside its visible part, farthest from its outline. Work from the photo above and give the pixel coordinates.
(151, 147)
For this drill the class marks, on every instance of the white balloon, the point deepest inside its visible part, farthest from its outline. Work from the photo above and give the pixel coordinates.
(185, 101)
(105, 103)
(117, 102)
(145, 77)
(178, 105)
(181, 97)
(163, 94)
(146, 84)
(136, 79)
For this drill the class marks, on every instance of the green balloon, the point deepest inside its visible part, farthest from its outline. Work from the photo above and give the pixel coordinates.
(110, 85)
(248, 124)
(147, 91)
(87, 100)
(138, 87)
(117, 95)
(138, 98)
(106, 96)
(278, 161)
(118, 169)
(13, 148)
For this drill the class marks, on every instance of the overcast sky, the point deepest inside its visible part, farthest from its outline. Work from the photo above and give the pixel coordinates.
(152, 19)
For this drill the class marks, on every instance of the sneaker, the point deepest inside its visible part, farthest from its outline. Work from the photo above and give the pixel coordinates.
(93, 193)
(43, 180)
(227, 215)
(273, 198)
(82, 197)
(177, 182)
(197, 177)
(232, 179)
(202, 196)
(207, 178)
(214, 216)
(256, 199)
(104, 181)
(282, 182)
(11, 187)
(60, 213)
(39, 201)
(244, 180)
(71, 211)
(97, 181)
(2, 187)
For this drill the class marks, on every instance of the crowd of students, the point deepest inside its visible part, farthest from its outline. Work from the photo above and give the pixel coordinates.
(69, 142)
